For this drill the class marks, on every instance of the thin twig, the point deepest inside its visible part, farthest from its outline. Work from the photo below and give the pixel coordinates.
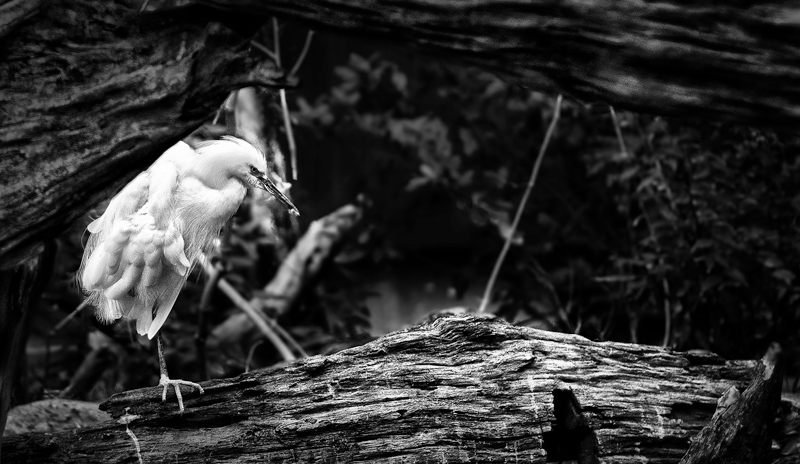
(289, 339)
(69, 317)
(212, 278)
(276, 57)
(287, 123)
(257, 319)
(228, 102)
(617, 129)
(263, 48)
(531, 182)
(144, 6)
(667, 314)
(303, 53)
(250, 355)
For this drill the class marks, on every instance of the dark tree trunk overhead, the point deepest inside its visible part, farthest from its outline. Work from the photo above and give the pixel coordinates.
(90, 92)
(459, 389)
(733, 61)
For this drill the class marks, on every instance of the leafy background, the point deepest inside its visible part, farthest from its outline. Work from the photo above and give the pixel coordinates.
(680, 233)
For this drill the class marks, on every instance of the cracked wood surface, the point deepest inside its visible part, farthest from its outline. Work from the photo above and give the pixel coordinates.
(93, 92)
(458, 389)
(736, 61)
(740, 430)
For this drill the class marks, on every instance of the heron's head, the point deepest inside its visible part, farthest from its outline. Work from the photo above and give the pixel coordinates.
(235, 158)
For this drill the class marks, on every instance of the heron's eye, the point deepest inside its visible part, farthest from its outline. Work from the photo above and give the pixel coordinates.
(253, 170)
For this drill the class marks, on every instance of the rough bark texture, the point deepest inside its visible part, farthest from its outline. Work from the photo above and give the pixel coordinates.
(15, 12)
(20, 289)
(91, 93)
(458, 389)
(735, 61)
(740, 431)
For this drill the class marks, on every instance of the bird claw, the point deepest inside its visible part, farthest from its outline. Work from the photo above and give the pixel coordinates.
(176, 383)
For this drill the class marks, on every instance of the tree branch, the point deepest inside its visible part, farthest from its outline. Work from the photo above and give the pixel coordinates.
(739, 61)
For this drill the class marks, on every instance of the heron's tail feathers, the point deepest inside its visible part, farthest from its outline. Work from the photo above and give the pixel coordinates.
(133, 267)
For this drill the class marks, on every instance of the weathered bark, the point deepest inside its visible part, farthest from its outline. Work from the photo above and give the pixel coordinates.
(15, 12)
(458, 389)
(740, 431)
(91, 93)
(20, 289)
(737, 61)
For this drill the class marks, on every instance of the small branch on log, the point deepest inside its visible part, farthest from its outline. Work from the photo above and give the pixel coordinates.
(458, 389)
(739, 432)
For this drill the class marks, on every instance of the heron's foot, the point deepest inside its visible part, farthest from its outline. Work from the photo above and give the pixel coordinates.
(166, 382)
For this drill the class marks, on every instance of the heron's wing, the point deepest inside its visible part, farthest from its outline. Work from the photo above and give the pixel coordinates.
(135, 264)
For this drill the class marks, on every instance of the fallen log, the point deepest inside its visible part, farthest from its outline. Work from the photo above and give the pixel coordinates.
(460, 388)
(738, 61)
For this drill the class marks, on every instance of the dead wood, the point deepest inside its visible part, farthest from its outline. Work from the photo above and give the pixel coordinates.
(738, 61)
(305, 260)
(20, 290)
(460, 388)
(741, 430)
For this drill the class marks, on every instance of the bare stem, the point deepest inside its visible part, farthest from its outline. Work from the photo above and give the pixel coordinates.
(276, 40)
(667, 314)
(263, 48)
(287, 124)
(212, 278)
(303, 54)
(70, 316)
(531, 182)
(250, 354)
(617, 129)
(251, 312)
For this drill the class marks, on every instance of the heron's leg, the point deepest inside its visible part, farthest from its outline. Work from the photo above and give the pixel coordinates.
(166, 381)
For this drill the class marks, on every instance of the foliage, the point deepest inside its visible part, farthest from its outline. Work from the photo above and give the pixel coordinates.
(711, 221)
(684, 235)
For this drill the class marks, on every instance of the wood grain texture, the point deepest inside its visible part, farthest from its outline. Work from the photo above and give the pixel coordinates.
(736, 61)
(15, 12)
(91, 93)
(457, 389)
(741, 430)
(20, 290)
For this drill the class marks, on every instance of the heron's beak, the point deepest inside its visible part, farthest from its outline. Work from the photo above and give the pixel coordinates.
(267, 184)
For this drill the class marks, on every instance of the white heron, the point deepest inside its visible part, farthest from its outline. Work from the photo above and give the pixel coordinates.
(163, 222)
